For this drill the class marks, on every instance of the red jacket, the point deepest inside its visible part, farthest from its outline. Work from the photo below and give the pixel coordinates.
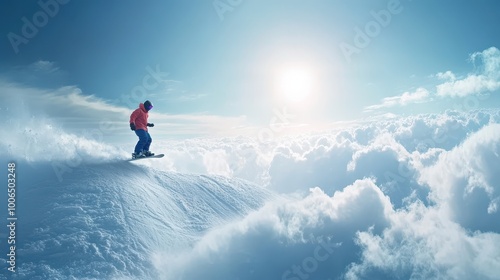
(140, 118)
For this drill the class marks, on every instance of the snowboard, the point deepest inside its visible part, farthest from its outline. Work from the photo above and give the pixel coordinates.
(155, 156)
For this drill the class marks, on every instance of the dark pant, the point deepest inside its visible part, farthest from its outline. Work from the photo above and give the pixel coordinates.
(144, 141)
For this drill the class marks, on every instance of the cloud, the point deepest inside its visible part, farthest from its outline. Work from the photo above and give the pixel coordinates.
(41, 73)
(173, 90)
(198, 125)
(426, 211)
(170, 89)
(422, 243)
(44, 66)
(191, 97)
(472, 84)
(79, 114)
(390, 150)
(486, 79)
(66, 108)
(465, 180)
(420, 95)
(287, 238)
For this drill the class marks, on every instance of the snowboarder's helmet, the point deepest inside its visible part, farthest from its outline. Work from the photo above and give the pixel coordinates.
(148, 105)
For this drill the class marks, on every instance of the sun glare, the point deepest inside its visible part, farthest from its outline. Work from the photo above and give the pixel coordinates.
(295, 84)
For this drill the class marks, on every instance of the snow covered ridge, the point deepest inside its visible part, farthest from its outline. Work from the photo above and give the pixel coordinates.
(107, 220)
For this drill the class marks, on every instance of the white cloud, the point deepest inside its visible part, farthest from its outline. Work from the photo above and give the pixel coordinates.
(465, 180)
(389, 150)
(78, 113)
(472, 84)
(173, 90)
(321, 237)
(490, 61)
(483, 80)
(486, 79)
(423, 243)
(420, 95)
(448, 75)
(44, 66)
(197, 125)
(413, 220)
(191, 97)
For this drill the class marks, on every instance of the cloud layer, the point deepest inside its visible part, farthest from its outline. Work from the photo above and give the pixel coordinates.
(486, 77)
(420, 95)
(483, 80)
(412, 198)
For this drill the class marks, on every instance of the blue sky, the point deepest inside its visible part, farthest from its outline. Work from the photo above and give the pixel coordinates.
(226, 59)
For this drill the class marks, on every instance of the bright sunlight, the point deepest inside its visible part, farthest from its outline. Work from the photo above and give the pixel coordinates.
(295, 84)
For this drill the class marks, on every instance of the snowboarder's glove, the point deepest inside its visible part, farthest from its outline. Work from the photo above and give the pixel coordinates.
(151, 124)
(132, 126)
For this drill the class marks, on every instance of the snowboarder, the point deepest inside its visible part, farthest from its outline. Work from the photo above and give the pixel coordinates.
(139, 124)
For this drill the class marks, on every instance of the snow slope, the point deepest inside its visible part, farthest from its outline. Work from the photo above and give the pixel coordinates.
(107, 220)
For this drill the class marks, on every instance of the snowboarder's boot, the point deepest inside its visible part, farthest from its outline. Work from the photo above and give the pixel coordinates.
(139, 155)
(148, 153)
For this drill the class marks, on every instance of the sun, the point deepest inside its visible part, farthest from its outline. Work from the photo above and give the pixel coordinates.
(295, 84)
